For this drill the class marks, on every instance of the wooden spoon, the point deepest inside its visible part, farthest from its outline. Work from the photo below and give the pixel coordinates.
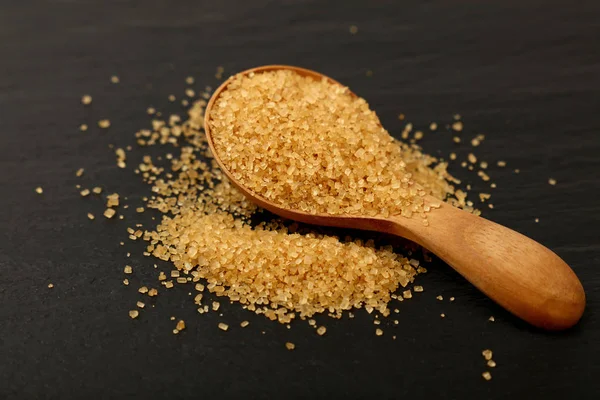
(521, 275)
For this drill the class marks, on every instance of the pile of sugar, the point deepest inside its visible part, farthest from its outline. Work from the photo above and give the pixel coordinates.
(278, 273)
(311, 145)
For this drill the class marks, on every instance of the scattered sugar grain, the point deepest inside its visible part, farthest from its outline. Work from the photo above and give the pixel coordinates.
(86, 99)
(353, 29)
(491, 363)
(457, 126)
(378, 332)
(222, 326)
(321, 330)
(114, 79)
(91, 216)
(433, 126)
(552, 181)
(487, 376)
(487, 354)
(244, 324)
(83, 127)
(109, 213)
(104, 123)
(133, 314)
(112, 200)
(180, 325)
(50, 285)
(418, 289)
(140, 304)
(483, 175)
(39, 190)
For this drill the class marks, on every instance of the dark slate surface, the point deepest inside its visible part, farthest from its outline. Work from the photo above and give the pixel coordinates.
(526, 73)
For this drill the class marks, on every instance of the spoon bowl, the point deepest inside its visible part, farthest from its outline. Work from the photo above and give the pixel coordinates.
(520, 274)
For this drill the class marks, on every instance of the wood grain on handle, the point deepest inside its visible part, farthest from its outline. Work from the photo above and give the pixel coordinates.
(517, 272)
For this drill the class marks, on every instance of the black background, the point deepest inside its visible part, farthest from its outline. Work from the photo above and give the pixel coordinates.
(525, 73)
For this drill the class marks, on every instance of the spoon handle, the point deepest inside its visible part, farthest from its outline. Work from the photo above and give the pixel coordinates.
(515, 271)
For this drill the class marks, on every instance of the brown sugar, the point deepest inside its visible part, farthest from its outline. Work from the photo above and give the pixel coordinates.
(487, 354)
(312, 146)
(222, 326)
(104, 123)
(109, 213)
(279, 269)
